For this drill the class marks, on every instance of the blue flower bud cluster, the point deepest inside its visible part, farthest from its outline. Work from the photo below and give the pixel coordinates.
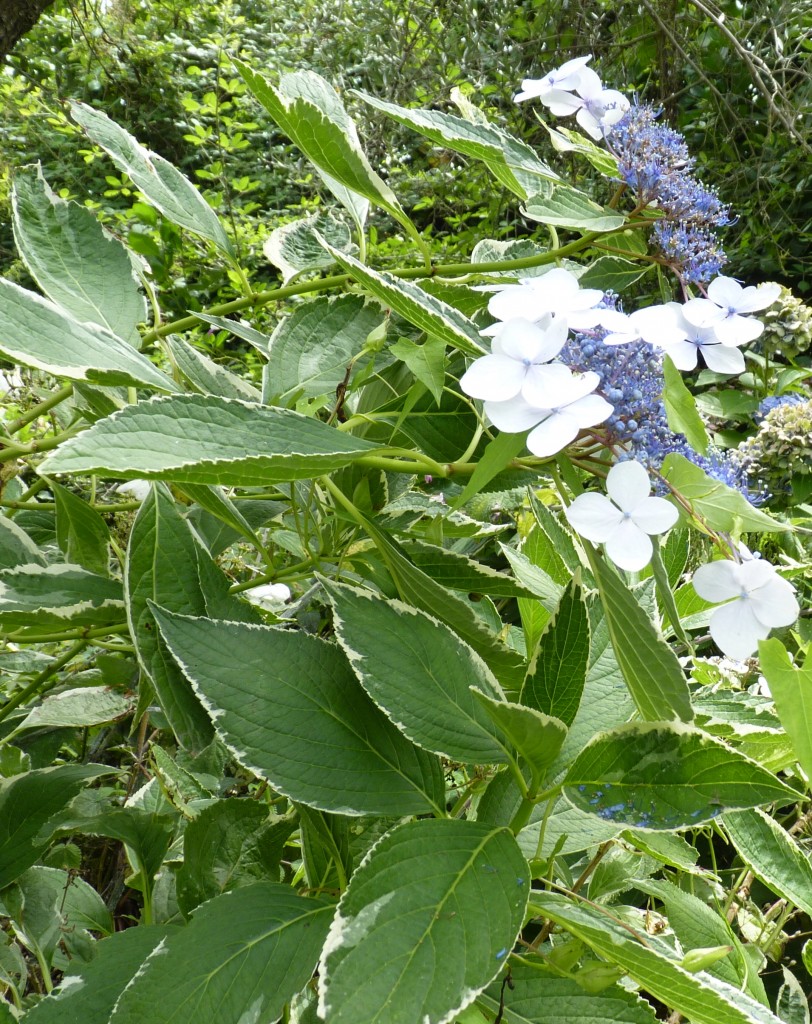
(653, 159)
(632, 381)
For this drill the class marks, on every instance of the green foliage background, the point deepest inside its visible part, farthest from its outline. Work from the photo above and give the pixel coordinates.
(463, 717)
(734, 78)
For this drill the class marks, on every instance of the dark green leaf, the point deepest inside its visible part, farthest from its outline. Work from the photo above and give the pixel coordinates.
(241, 958)
(556, 677)
(612, 273)
(90, 990)
(27, 803)
(230, 843)
(82, 534)
(289, 708)
(427, 891)
(420, 673)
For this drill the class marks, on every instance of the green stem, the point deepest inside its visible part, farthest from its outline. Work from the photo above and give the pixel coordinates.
(548, 810)
(42, 445)
(522, 815)
(40, 484)
(70, 634)
(403, 465)
(39, 682)
(469, 451)
(40, 409)
(122, 506)
(407, 273)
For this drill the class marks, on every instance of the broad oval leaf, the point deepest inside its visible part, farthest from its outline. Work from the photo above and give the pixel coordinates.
(420, 673)
(241, 958)
(568, 208)
(201, 439)
(28, 804)
(162, 184)
(231, 843)
(428, 891)
(289, 708)
(312, 349)
(38, 333)
(662, 775)
(73, 259)
(612, 274)
(89, 991)
(58, 596)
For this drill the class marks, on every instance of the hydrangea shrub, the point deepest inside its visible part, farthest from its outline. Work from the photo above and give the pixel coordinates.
(414, 608)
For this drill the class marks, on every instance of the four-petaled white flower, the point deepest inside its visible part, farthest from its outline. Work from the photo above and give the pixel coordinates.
(727, 307)
(566, 77)
(557, 292)
(623, 524)
(596, 109)
(684, 350)
(552, 429)
(519, 364)
(270, 596)
(758, 600)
